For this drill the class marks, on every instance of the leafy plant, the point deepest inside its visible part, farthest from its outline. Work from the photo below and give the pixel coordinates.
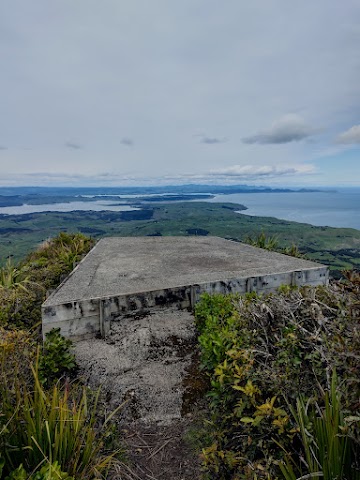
(56, 358)
(60, 425)
(47, 472)
(257, 351)
(262, 241)
(23, 287)
(293, 251)
(57, 257)
(14, 278)
(327, 449)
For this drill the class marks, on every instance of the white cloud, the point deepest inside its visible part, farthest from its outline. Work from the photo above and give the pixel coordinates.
(227, 175)
(289, 128)
(91, 73)
(351, 136)
(256, 171)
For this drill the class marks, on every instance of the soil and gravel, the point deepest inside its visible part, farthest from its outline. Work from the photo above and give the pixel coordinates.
(151, 363)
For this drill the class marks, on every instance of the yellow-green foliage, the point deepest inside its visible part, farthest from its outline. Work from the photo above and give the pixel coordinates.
(23, 287)
(329, 448)
(57, 257)
(56, 358)
(261, 353)
(46, 432)
(17, 351)
(39, 427)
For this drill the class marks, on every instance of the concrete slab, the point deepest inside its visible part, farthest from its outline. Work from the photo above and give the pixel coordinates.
(123, 274)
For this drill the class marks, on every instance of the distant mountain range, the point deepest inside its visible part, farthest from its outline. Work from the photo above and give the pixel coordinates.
(16, 196)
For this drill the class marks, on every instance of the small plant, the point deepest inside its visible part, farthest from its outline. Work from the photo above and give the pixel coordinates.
(327, 451)
(57, 429)
(48, 472)
(56, 358)
(293, 251)
(262, 241)
(13, 278)
(257, 351)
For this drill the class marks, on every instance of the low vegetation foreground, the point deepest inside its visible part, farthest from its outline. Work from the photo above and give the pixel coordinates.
(281, 375)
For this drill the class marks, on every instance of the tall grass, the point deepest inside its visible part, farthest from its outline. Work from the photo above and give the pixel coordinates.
(60, 425)
(328, 449)
(14, 278)
(262, 241)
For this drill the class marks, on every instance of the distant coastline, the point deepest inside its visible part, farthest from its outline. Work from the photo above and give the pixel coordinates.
(335, 208)
(18, 196)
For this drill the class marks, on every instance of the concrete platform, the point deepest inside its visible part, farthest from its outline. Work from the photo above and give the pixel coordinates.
(134, 274)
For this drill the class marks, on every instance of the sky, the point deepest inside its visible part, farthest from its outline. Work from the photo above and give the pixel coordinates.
(121, 92)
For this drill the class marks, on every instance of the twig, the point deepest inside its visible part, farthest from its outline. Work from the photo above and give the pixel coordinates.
(160, 448)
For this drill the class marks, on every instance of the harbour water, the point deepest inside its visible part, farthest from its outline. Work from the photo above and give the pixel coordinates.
(339, 208)
(96, 206)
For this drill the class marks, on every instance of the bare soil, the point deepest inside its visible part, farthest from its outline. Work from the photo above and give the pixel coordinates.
(150, 362)
(158, 453)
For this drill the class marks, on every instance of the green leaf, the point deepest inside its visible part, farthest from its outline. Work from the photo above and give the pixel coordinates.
(247, 420)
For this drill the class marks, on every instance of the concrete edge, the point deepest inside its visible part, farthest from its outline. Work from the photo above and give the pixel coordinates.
(104, 297)
(53, 292)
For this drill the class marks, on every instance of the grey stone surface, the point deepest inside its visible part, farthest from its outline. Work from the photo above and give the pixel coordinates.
(136, 274)
(126, 265)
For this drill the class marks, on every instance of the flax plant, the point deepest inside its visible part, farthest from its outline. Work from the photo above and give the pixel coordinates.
(13, 278)
(328, 449)
(59, 425)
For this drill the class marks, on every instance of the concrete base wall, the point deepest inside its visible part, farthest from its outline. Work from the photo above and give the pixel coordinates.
(88, 318)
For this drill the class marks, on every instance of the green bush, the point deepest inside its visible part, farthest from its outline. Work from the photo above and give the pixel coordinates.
(328, 448)
(260, 354)
(262, 241)
(56, 258)
(47, 430)
(48, 472)
(23, 287)
(57, 428)
(56, 358)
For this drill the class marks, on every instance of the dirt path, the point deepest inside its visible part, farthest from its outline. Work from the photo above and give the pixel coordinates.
(158, 453)
(151, 363)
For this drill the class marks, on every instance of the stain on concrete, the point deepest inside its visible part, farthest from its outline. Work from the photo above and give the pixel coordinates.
(123, 274)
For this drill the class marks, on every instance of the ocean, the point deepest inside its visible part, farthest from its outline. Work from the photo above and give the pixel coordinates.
(339, 208)
(97, 206)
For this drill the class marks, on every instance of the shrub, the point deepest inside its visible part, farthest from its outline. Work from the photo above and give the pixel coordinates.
(57, 257)
(262, 241)
(327, 448)
(56, 358)
(260, 353)
(46, 428)
(23, 287)
(50, 471)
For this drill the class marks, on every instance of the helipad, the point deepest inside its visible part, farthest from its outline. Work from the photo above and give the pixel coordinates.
(134, 274)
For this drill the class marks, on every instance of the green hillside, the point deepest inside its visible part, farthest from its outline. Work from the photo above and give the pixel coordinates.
(337, 247)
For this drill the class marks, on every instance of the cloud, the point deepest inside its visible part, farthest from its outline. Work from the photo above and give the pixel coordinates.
(254, 171)
(2, 147)
(73, 146)
(195, 83)
(127, 141)
(289, 128)
(351, 136)
(230, 175)
(213, 140)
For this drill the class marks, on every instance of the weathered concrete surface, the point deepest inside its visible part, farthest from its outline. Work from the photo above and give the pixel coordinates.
(123, 274)
(142, 361)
